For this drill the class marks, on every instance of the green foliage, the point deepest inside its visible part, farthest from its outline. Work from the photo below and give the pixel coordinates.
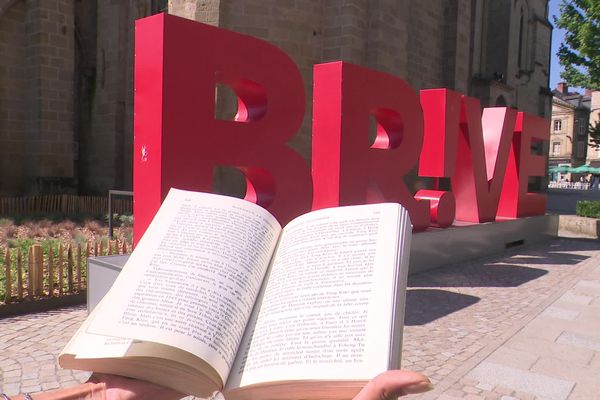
(579, 55)
(23, 244)
(20, 219)
(588, 209)
(6, 221)
(121, 220)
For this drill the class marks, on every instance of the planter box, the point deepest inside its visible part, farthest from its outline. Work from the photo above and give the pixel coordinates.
(580, 226)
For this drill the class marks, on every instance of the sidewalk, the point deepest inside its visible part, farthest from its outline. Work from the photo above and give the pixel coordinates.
(523, 325)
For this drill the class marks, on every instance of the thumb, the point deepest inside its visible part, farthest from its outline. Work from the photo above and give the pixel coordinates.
(391, 384)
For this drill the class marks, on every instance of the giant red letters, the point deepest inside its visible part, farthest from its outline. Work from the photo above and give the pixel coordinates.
(178, 142)
(347, 169)
(516, 200)
(483, 146)
(486, 154)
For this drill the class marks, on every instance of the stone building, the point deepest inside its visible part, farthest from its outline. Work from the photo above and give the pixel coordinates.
(593, 153)
(568, 130)
(66, 68)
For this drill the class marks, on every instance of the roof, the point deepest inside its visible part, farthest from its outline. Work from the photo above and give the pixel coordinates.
(572, 100)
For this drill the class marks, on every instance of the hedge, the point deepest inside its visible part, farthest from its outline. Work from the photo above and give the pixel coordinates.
(588, 209)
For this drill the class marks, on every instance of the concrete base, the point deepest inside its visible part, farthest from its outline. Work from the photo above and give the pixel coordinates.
(575, 226)
(102, 272)
(438, 247)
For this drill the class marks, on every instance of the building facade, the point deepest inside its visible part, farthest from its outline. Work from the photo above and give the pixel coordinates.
(568, 131)
(66, 91)
(593, 153)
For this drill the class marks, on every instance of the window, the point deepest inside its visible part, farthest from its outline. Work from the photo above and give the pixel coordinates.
(582, 127)
(555, 148)
(557, 125)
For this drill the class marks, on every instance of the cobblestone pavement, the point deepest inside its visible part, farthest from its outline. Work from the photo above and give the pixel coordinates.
(29, 346)
(467, 326)
(522, 325)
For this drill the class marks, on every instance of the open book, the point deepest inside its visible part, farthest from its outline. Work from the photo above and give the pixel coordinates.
(218, 297)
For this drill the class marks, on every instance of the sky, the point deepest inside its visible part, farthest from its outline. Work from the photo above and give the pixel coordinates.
(557, 38)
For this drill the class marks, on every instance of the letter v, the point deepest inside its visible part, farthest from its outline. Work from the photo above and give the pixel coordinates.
(482, 153)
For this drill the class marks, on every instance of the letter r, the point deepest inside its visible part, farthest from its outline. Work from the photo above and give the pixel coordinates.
(177, 140)
(347, 168)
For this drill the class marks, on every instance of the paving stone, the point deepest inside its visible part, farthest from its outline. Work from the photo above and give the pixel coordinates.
(572, 297)
(560, 313)
(485, 387)
(539, 348)
(595, 363)
(471, 390)
(586, 389)
(511, 357)
(592, 284)
(524, 396)
(540, 329)
(541, 385)
(578, 340)
(448, 397)
(473, 397)
(567, 371)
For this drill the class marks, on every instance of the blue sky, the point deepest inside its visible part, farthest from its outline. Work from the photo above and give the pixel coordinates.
(557, 38)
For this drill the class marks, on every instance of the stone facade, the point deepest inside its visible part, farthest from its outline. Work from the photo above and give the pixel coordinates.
(568, 131)
(36, 95)
(593, 153)
(66, 80)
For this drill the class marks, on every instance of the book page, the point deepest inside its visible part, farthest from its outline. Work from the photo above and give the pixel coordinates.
(193, 278)
(328, 306)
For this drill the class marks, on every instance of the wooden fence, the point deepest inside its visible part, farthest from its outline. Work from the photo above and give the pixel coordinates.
(37, 275)
(63, 204)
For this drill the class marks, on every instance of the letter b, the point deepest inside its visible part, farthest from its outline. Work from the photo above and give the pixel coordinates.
(179, 142)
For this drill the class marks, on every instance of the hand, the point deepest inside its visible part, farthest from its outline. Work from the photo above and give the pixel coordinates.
(121, 388)
(392, 384)
(386, 386)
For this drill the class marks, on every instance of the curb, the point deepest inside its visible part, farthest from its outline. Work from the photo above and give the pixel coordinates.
(584, 226)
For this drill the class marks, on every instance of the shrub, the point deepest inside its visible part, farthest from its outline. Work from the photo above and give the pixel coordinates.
(588, 209)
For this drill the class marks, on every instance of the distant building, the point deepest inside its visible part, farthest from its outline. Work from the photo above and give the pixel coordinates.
(593, 154)
(569, 130)
(66, 68)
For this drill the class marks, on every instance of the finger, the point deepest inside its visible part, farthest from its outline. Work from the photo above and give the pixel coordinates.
(392, 384)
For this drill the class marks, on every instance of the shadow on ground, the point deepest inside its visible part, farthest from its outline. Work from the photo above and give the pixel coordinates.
(510, 269)
(486, 275)
(426, 305)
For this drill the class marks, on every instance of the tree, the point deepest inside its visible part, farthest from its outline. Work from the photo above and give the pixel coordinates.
(594, 132)
(579, 55)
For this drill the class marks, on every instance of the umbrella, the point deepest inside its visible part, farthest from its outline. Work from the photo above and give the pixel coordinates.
(585, 169)
(560, 168)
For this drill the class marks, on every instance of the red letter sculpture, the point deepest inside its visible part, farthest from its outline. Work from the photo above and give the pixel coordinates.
(441, 112)
(178, 142)
(483, 147)
(347, 168)
(516, 201)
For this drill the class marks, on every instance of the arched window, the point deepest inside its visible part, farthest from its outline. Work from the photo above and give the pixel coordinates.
(522, 44)
(520, 54)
